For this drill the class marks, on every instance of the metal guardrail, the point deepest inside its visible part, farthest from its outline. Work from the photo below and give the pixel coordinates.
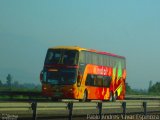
(35, 107)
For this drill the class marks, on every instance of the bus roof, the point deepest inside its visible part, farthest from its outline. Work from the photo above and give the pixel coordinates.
(69, 48)
(90, 50)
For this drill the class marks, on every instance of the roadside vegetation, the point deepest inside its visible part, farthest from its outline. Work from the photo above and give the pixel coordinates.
(13, 85)
(153, 90)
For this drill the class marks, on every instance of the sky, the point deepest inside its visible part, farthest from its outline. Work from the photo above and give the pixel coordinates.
(130, 28)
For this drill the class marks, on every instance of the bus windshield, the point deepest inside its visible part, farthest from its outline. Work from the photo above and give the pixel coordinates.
(62, 56)
(61, 77)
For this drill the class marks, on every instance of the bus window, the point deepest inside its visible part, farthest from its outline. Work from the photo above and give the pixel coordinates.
(53, 57)
(113, 62)
(82, 57)
(90, 80)
(62, 77)
(94, 57)
(104, 60)
(108, 61)
(100, 60)
(60, 56)
(82, 62)
(70, 57)
(88, 58)
(116, 61)
(99, 81)
(106, 81)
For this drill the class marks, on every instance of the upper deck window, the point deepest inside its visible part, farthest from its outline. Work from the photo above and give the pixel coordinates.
(62, 56)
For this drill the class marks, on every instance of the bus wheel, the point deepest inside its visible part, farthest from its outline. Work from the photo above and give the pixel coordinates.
(112, 97)
(84, 99)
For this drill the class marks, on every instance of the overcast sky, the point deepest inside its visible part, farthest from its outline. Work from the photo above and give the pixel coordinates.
(130, 28)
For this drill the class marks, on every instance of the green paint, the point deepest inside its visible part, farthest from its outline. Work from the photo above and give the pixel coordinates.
(119, 70)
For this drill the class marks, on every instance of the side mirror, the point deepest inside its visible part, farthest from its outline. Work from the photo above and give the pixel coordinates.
(78, 84)
(41, 76)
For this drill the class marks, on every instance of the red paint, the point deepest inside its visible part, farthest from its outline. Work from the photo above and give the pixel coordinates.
(110, 54)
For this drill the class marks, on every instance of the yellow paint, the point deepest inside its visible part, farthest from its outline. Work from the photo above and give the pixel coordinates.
(106, 96)
(119, 89)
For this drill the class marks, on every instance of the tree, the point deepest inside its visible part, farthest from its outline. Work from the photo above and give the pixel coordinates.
(1, 84)
(150, 85)
(16, 84)
(155, 88)
(9, 80)
(128, 88)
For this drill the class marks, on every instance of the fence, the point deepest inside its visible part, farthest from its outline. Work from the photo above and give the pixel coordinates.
(71, 106)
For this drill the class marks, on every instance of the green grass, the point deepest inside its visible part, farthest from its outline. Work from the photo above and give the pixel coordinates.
(4, 88)
(20, 89)
(142, 93)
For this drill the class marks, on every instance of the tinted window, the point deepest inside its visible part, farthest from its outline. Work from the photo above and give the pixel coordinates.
(70, 57)
(90, 80)
(82, 58)
(61, 77)
(94, 58)
(61, 56)
(98, 80)
(53, 56)
(106, 81)
(89, 57)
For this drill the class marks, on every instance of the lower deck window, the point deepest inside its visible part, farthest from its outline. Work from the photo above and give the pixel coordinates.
(98, 80)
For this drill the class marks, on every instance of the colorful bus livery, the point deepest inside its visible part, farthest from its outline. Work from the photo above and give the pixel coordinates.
(83, 74)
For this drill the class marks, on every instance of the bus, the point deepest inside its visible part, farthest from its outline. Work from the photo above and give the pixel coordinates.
(72, 72)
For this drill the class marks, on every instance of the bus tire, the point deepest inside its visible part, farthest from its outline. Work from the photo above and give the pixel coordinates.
(113, 97)
(84, 99)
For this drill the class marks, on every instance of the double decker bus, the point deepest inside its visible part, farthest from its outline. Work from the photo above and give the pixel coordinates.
(72, 72)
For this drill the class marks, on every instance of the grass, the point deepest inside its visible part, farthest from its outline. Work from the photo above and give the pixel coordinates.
(20, 89)
(142, 93)
(4, 97)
